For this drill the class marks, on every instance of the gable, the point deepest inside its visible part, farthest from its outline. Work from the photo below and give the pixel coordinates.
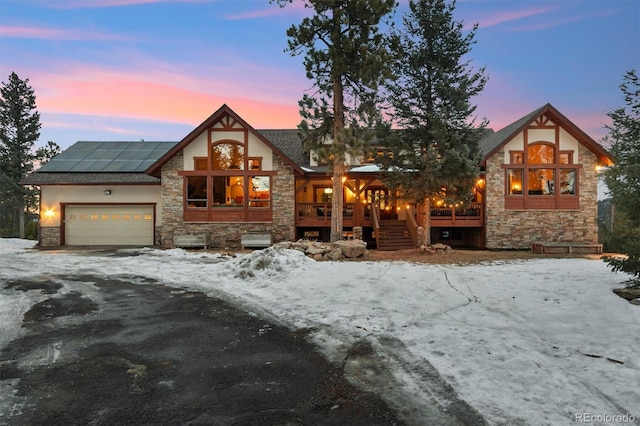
(222, 125)
(538, 125)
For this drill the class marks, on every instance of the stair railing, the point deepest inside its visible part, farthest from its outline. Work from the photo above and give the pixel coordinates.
(412, 226)
(376, 223)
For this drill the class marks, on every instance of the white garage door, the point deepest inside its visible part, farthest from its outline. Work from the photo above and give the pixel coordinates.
(109, 225)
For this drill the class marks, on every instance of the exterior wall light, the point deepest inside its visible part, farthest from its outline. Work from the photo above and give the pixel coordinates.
(107, 192)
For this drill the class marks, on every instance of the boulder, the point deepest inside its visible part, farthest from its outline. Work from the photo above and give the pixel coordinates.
(352, 249)
(628, 293)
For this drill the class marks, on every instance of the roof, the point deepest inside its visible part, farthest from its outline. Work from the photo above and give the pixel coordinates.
(288, 141)
(490, 144)
(494, 140)
(107, 157)
(54, 178)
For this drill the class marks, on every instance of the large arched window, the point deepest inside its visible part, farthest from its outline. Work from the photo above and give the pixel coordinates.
(227, 156)
(541, 153)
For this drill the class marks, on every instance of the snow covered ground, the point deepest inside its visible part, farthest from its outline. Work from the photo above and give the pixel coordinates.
(523, 342)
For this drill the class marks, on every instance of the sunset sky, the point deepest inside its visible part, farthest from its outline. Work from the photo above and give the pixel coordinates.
(155, 69)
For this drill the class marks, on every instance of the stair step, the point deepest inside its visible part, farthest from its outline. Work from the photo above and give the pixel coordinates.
(394, 235)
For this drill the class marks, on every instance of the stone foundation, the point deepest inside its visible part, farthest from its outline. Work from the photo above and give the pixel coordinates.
(50, 236)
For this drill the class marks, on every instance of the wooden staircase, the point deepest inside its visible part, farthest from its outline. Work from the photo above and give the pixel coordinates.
(394, 235)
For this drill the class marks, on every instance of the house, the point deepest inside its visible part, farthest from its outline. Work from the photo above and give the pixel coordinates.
(226, 179)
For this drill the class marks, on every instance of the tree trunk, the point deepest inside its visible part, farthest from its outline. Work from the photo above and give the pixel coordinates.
(21, 233)
(339, 160)
(427, 222)
(337, 202)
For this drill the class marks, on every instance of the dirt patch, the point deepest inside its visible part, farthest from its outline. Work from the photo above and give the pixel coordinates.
(465, 257)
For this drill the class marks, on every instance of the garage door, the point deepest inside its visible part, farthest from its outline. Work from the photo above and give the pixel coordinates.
(109, 225)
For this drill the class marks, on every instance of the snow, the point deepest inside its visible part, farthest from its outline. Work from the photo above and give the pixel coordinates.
(540, 341)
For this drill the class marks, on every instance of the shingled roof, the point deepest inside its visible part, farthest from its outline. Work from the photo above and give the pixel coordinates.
(288, 141)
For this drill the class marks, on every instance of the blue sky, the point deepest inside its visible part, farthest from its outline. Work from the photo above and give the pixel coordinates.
(155, 69)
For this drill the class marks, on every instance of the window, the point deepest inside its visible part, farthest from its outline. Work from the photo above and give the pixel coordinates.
(541, 177)
(227, 185)
(514, 183)
(541, 153)
(567, 181)
(227, 156)
(196, 191)
(260, 191)
(199, 163)
(255, 164)
(228, 191)
(565, 158)
(541, 181)
(517, 157)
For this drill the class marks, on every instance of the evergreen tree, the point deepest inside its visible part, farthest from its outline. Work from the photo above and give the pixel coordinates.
(436, 153)
(346, 57)
(623, 178)
(19, 130)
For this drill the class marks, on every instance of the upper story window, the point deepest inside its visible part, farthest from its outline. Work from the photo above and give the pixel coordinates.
(541, 153)
(227, 156)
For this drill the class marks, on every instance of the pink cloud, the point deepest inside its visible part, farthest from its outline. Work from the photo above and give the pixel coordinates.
(499, 18)
(8, 31)
(91, 91)
(87, 4)
(295, 8)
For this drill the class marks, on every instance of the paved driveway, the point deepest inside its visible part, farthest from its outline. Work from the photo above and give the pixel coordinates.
(124, 350)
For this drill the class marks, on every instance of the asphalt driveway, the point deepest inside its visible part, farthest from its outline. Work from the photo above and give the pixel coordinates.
(125, 350)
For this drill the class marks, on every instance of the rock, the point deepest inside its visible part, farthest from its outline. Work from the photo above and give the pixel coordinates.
(318, 249)
(335, 254)
(352, 249)
(628, 293)
(635, 301)
(435, 248)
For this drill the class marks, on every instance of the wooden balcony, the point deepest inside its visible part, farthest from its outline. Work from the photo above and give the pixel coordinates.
(319, 214)
(356, 214)
(469, 216)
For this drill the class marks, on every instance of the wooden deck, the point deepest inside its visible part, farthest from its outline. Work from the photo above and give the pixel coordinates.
(471, 216)
(356, 214)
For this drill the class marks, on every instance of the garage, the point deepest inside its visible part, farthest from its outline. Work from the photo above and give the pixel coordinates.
(91, 225)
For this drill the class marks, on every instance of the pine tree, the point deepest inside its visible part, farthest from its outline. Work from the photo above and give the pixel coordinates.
(19, 130)
(623, 178)
(346, 57)
(435, 154)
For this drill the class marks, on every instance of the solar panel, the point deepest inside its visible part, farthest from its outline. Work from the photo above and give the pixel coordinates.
(107, 157)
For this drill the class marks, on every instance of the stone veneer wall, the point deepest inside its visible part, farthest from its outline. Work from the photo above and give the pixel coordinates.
(50, 236)
(227, 234)
(517, 229)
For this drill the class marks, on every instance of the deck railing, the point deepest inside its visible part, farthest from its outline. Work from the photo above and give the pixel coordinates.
(320, 213)
(358, 214)
(470, 215)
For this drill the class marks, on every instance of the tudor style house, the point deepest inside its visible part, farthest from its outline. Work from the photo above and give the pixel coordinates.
(226, 179)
